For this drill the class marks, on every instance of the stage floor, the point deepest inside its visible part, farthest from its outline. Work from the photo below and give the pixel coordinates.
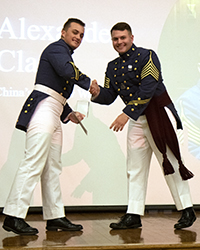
(157, 232)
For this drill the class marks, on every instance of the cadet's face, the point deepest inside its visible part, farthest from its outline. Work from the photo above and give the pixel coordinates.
(122, 40)
(74, 35)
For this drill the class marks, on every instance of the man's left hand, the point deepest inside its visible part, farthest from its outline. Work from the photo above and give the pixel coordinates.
(119, 122)
(78, 115)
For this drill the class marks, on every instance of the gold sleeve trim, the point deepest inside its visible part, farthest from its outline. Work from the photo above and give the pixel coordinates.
(107, 82)
(150, 69)
(76, 70)
(136, 102)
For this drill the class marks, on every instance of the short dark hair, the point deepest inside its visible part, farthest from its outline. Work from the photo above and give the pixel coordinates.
(72, 20)
(121, 26)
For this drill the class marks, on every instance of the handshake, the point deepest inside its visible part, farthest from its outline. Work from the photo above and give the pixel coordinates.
(121, 120)
(94, 89)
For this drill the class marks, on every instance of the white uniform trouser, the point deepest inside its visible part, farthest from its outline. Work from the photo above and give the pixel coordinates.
(140, 146)
(42, 161)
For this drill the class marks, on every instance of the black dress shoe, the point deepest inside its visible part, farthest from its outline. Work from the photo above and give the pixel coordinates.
(187, 219)
(18, 226)
(127, 221)
(62, 224)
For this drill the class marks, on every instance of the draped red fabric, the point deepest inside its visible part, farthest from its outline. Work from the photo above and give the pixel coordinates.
(163, 134)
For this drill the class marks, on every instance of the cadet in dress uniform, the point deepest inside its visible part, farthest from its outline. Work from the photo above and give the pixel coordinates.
(135, 76)
(40, 119)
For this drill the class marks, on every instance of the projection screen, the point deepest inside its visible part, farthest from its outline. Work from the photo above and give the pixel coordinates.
(94, 165)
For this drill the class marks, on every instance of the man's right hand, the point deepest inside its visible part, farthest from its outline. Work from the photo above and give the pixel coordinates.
(94, 88)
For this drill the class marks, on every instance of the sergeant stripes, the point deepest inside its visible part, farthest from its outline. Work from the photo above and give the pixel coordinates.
(107, 82)
(150, 69)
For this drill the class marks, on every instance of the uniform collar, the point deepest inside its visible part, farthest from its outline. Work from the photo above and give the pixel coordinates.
(70, 49)
(129, 53)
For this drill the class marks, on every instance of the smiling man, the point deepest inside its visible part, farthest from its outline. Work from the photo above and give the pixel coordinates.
(136, 77)
(40, 119)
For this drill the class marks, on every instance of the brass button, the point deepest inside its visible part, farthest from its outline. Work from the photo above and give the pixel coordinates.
(127, 87)
(132, 109)
(131, 94)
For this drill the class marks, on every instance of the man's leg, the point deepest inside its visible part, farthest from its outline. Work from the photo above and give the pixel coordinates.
(38, 141)
(138, 161)
(24, 184)
(179, 189)
(53, 208)
(50, 185)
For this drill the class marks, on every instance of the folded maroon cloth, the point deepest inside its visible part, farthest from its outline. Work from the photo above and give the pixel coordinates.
(163, 133)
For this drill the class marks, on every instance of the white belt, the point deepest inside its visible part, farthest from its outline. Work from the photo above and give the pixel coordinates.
(51, 92)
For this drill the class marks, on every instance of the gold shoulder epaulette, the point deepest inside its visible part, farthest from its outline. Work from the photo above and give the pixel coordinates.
(150, 69)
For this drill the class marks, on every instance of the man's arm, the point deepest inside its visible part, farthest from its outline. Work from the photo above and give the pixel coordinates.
(75, 117)
(102, 95)
(119, 122)
(94, 89)
(61, 60)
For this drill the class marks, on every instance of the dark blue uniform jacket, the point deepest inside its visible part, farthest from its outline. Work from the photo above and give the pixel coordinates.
(57, 71)
(136, 77)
